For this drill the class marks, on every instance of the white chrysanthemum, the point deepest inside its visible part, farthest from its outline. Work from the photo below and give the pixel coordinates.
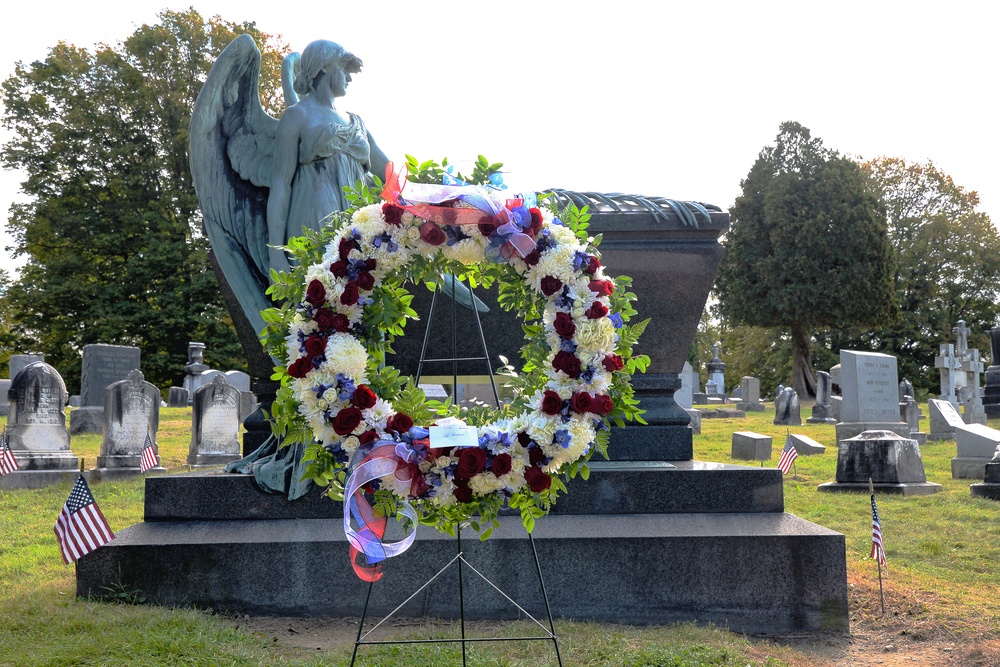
(346, 355)
(514, 480)
(565, 236)
(444, 495)
(556, 262)
(594, 335)
(484, 484)
(542, 428)
(377, 415)
(466, 251)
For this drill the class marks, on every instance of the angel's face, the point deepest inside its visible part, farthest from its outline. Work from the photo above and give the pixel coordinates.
(338, 78)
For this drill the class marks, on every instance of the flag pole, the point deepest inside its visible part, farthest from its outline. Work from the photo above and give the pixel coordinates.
(878, 565)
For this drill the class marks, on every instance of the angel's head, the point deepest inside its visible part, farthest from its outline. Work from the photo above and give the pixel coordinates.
(324, 58)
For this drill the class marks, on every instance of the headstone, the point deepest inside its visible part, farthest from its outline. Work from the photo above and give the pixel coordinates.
(750, 446)
(822, 412)
(131, 411)
(195, 366)
(103, 365)
(948, 365)
(238, 379)
(19, 361)
(248, 404)
(177, 397)
(972, 402)
(976, 445)
(786, 408)
(750, 395)
(684, 396)
(215, 424)
(695, 424)
(991, 387)
(944, 419)
(806, 446)
(909, 412)
(74, 401)
(716, 373)
(36, 427)
(835, 377)
(870, 392)
(4, 401)
(891, 461)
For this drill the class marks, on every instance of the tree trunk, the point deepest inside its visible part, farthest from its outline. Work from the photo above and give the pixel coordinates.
(803, 380)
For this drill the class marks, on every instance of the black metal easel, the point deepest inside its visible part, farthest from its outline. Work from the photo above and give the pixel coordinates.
(460, 559)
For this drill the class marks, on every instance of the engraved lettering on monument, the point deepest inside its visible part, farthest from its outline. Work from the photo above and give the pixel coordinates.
(215, 426)
(870, 387)
(131, 410)
(36, 428)
(103, 365)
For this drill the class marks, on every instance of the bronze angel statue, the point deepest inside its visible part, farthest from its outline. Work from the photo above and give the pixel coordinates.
(261, 181)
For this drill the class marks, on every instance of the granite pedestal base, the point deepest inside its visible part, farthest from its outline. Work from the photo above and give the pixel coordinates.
(847, 430)
(680, 541)
(968, 467)
(115, 474)
(902, 489)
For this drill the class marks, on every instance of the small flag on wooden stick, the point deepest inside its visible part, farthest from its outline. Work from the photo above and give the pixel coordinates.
(878, 549)
(149, 459)
(81, 527)
(788, 455)
(7, 461)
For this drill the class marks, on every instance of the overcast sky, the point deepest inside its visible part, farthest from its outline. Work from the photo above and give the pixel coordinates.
(671, 99)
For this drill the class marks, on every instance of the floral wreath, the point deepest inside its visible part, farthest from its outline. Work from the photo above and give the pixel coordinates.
(360, 417)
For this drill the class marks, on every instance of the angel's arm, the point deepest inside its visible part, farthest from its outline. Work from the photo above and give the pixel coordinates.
(284, 161)
(377, 159)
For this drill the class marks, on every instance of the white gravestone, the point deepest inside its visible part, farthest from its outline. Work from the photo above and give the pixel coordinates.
(215, 424)
(944, 419)
(131, 411)
(36, 428)
(976, 446)
(870, 394)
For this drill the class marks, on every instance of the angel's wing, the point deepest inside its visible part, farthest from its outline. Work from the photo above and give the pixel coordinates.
(231, 143)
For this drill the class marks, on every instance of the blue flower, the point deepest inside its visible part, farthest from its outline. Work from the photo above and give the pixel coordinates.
(616, 319)
(587, 375)
(563, 438)
(567, 345)
(454, 234)
(580, 260)
(386, 238)
(564, 301)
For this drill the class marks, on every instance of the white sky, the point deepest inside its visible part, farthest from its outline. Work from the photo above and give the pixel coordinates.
(657, 98)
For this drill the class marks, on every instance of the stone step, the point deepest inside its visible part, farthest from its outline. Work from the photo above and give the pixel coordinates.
(757, 572)
(614, 487)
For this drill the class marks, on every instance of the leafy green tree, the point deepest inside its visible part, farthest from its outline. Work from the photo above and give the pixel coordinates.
(948, 266)
(112, 231)
(807, 249)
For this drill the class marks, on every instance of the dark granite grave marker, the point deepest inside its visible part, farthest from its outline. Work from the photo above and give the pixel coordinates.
(890, 460)
(103, 365)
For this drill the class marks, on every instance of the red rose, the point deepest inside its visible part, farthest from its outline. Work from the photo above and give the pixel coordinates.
(370, 264)
(323, 318)
(341, 323)
(364, 397)
(300, 367)
(550, 285)
(316, 293)
(486, 226)
(462, 492)
(345, 247)
(597, 311)
(532, 258)
(393, 214)
(535, 455)
(350, 295)
(567, 362)
(315, 345)
(345, 421)
(551, 403)
(537, 480)
(563, 325)
(366, 281)
(536, 221)
(339, 268)
(471, 462)
(593, 265)
(368, 436)
(400, 423)
(501, 465)
(612, 363)
(432, 234)
(602, 404)
(602, 287)
(581, 402)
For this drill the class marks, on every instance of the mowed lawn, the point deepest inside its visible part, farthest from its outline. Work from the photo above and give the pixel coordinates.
(943, 553)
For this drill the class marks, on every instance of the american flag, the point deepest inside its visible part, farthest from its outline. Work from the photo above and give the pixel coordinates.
(878, 551)
(788, 456)
(149, 458)
(81, 528)
(7, 461)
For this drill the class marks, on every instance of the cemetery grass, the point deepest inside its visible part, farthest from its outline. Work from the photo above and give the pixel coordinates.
(942, 602)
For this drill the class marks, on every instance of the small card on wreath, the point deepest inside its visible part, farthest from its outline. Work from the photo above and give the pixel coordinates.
(453, 432)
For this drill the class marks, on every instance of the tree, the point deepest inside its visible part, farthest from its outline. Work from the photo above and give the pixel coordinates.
(807, 249)
(112, 231)
(948, 266)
